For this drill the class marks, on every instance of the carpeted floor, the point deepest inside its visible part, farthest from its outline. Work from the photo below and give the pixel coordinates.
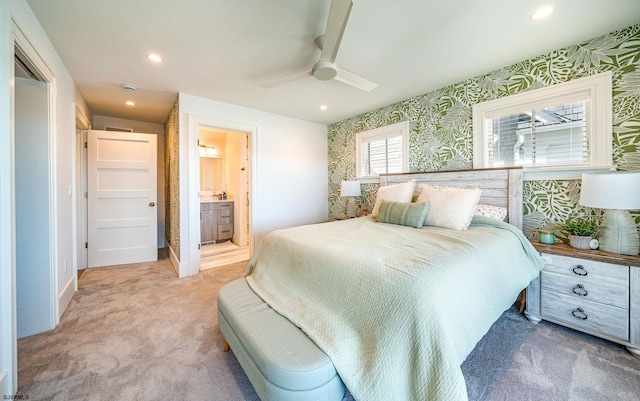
(136, 332)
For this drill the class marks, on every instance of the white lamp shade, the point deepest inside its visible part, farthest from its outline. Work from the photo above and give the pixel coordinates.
(619, 190)
(350, 188)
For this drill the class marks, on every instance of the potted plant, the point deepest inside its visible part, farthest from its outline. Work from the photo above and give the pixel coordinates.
(581, 231)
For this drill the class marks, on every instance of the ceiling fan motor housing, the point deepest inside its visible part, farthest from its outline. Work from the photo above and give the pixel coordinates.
(325, 70)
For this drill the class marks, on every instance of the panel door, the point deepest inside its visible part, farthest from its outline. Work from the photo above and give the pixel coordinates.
(122, 190)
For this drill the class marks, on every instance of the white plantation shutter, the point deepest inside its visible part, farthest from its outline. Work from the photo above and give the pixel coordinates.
(383, 156)
(556, 132)
(551, 136)
(382, 150)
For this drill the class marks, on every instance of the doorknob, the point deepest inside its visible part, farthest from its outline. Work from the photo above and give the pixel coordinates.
(152, 204)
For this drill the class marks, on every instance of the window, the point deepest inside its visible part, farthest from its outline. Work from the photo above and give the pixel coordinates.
(382, 150)
(557, 132)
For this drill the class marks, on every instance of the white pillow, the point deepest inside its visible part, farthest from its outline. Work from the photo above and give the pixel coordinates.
(450, 207)
(394, 193)
(495, 212)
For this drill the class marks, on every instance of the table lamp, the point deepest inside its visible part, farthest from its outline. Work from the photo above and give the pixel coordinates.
(617, 193)
(350, 189)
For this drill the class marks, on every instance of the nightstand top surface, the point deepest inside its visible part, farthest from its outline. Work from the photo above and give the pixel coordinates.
(589, 254)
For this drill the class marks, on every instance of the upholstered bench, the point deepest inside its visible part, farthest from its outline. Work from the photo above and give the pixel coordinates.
(282, 363)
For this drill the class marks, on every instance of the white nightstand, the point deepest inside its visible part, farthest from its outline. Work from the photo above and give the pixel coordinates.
(588, 290)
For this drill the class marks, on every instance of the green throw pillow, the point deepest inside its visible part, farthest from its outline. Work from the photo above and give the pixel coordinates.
(403, 213)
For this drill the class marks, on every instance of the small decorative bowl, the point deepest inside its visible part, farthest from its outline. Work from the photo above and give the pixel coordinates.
(546, 237)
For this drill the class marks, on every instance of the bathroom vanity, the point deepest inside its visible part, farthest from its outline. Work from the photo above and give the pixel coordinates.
(216, 221)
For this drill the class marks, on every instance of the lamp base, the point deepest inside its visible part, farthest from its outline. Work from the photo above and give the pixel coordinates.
(618, 233)
(350, 207)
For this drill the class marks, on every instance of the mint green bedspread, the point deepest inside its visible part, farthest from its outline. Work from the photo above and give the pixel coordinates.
(397, 309)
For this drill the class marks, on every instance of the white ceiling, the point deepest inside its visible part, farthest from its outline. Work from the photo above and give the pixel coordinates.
(227, 49)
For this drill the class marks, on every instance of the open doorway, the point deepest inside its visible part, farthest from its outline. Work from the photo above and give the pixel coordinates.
(35, 279)
(224, 194)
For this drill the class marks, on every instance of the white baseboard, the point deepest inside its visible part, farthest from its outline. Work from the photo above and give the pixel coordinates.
(181, 269)
(175, 263)
(4, 384)
(240, 240)
(65, 297)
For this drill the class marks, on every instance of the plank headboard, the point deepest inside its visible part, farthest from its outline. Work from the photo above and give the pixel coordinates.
(500, 186)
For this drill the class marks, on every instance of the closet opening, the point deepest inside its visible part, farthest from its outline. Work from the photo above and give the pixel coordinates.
(34, 237)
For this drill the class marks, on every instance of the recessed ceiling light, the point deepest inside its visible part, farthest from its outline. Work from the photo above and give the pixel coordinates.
(323, 107)
(129, 103)
(154, 57)
(541, 12)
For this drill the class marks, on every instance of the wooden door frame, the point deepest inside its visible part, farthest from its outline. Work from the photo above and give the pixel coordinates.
(195, 121)
(11, 36)
(20, 41)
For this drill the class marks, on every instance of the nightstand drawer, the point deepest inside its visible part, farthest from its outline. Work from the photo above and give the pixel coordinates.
(580, 288)
(584, 314)
(588, 270)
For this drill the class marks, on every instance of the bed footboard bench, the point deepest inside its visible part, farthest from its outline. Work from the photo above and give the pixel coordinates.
(282, 363)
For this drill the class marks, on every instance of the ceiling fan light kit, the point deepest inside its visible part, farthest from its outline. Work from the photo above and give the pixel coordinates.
(329, 43)
(325, 70)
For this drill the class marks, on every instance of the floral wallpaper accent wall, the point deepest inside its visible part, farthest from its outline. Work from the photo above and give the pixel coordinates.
(441, 123)
(172, 180)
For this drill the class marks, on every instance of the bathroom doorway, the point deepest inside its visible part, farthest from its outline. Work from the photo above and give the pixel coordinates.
(224, 196)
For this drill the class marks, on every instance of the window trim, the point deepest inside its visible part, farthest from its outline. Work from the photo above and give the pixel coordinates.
(599, 89)
(388, 131)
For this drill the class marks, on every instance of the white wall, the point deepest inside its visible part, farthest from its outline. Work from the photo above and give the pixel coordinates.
(290, 181)
(101, 122)
(237, 175)
(63, 159)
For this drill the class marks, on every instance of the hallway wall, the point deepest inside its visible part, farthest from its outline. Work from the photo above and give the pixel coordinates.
(63, 183)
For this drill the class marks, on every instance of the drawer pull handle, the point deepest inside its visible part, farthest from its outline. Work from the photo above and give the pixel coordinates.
(579, 290)
(579, 314)
(579, 270)
(226, 231)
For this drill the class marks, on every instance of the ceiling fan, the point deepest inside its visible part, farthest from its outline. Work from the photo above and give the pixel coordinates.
(326, 68)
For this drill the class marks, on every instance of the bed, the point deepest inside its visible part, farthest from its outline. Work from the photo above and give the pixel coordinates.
(397, 308)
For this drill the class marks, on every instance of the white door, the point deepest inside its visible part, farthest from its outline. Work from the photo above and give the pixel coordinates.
(122, 188)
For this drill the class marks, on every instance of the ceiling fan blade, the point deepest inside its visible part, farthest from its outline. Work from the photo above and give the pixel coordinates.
(355, 80)
(286, 80)
(338, 17)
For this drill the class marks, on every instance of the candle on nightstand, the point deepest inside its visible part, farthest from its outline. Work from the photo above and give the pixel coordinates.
(546, 237)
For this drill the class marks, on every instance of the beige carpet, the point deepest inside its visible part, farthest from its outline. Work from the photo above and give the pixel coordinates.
(136, 332)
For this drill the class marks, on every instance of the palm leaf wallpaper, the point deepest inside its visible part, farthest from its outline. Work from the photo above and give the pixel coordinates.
(441, 124)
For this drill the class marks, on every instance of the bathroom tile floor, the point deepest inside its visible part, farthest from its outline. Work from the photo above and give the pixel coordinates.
(222, 254)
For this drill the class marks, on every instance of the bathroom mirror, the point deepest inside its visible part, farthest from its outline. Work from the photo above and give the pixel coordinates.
(211, 176)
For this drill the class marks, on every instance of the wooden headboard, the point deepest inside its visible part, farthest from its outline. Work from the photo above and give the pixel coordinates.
(500, 186)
